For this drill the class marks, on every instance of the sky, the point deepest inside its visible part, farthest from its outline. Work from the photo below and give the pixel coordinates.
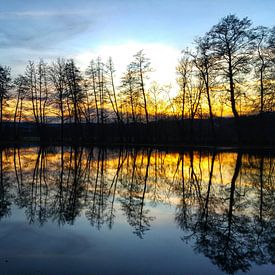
(84, 29)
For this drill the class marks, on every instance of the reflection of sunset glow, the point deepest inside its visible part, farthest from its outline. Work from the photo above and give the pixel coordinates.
(205, 191)
(164, 169)
(136, 137)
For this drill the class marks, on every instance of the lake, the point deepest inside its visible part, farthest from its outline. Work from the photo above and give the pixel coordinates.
(67, 210)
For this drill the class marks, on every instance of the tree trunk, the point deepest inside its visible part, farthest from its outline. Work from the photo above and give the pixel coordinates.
(144, 96)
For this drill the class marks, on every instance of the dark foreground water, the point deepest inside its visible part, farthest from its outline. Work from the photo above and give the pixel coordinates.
(126, 211)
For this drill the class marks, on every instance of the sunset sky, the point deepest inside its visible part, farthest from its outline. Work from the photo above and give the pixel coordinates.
(83, 29)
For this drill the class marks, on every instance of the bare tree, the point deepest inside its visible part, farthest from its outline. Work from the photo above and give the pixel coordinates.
(5, 85)
(183, 70)
(129, 92)
(231, 44)
(75, 92)
(30, 74)
(112, 90)
(101, 82)
(42, 90)
(141, 67)
(261, 60)
(21, 86)
(57, 74)
(204, 62)
(271, 48)
(154, 92)
(37, 90)
(92, 74)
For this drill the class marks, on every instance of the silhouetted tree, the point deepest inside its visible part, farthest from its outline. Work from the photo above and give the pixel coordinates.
(75, 91)
(57, 75)
(111, 90)
(130, 93)
(21, 86)
(140, 66)
(42, 82)
(5, 85)
(184, 70)
(230, 42)
(38, 92)
(205, 62)
(154, 93)
(261, 62)
(92, 74)
(271, 48)
(101, 87)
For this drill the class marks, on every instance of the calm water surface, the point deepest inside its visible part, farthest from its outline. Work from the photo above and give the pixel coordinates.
(74, 210)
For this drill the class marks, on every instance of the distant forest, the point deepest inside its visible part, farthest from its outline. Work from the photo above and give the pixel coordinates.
(230, 72)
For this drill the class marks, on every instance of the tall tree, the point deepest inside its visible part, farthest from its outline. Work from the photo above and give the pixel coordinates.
(204, 63)
(101, 87)
(271, 49)
(130, 93)
(37, 78)
(42, 77)
(141, 67)
(75, 92)
(57, 74)
(5, 85)
(91, 72)
(111, 90)
(191, 87)
(30, 74)
(21, 86)
(184, 70)
(154, 92)
(231, 44)
(262, 62)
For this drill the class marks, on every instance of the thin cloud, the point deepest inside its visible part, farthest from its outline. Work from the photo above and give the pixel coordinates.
(39, 14)
(40, 30)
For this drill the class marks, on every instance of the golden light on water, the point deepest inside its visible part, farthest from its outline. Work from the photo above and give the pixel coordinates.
(164, 171)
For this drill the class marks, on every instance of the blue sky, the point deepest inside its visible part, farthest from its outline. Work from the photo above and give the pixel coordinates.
(82, 29)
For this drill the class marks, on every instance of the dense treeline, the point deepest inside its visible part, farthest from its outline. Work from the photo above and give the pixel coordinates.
(231, 68)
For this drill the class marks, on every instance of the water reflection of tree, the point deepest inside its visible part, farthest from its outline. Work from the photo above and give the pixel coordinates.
(22, 190)
(189, 188)
(221, 228)
(263, 223)
(227, 237)
(75, 186)
(98, 195)
(58, 205)
(229, 218)
(133, 200)
(121, 160)
(37, 202)
(67, 201)
(5, 196)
